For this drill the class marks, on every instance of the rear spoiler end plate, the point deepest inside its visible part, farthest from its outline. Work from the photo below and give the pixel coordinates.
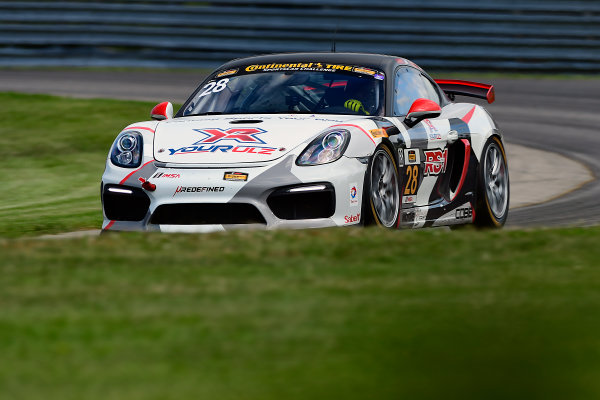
(453, 87)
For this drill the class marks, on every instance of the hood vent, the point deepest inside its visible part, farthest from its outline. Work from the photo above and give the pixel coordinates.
(246, 121)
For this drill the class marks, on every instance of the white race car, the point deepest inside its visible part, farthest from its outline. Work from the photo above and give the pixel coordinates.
(311, 140)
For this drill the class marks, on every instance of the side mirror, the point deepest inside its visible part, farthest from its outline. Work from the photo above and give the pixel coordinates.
(162, 111)
(421, 109)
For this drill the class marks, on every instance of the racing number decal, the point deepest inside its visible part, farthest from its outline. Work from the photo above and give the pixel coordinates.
(214, 87)
(412, 181)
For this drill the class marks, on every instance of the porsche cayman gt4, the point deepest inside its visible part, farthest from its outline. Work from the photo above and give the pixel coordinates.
(311, 140)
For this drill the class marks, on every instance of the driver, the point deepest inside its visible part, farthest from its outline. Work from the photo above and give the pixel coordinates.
(361, 96)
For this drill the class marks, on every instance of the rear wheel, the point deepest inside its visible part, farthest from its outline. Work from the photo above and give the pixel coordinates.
(493, 186)
(382, 204)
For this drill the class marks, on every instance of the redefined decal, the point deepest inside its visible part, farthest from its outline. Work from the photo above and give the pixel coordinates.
(198, 189)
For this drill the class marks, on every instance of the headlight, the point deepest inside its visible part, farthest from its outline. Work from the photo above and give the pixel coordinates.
(327, 147)
(127, 150)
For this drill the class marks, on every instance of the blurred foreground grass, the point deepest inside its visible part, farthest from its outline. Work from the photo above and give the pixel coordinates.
(318, 314)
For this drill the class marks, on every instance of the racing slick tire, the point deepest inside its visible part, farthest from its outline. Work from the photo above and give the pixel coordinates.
(381, 201)
(493, 189)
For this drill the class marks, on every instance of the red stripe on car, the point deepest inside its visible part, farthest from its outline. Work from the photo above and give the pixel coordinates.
(463, 175)
(133, 172)
(469, 115)
(138, 127)
(358, 127)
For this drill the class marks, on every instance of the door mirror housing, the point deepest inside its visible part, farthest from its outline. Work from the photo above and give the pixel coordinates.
(421, 109)
(162, 111)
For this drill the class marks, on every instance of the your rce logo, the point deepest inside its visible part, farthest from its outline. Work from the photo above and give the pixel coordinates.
(240, 135)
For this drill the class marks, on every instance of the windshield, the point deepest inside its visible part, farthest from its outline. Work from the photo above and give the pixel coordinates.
(290, 88)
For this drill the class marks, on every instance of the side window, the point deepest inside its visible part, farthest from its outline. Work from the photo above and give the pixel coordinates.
(410, 85)
(432, 93)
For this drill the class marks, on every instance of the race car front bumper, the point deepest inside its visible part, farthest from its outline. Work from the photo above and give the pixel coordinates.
(276, 195)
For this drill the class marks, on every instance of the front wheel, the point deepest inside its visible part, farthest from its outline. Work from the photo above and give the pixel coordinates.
(382, 202)
(493, 186)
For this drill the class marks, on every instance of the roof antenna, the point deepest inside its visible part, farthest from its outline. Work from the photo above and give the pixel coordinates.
(334, 37)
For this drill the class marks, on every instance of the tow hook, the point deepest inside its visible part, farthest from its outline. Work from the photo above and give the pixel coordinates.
(146, 185)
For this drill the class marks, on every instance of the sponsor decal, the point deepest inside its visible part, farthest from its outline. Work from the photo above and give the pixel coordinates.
(377, 133)
(163, 175)
(351, 218)
(312, 66)
(240, 135)
(223, 149)
(412, 156)
(235, 176)
(216, 135)
(464, 213)
(270, 67)
(227, 73)
(421, 214)
(198, 189)
(430, 125)
(379, 76)
(409, 199)
(400, 158)
(353, 195)
(435, 161)
(362, 70)
(433, 132)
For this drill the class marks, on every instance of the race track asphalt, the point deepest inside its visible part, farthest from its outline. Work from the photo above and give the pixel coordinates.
(551, 126)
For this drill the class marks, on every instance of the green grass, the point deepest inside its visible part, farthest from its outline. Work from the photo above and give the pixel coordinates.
(319, 314)
(316, 314)
(54, 151)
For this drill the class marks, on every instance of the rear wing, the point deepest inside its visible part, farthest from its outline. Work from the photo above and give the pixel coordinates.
(454, 87)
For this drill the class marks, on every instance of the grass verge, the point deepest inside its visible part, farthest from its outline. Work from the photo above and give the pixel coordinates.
(54, 154)
(321, 314)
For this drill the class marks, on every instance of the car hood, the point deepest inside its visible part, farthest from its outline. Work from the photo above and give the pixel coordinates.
(232, 139)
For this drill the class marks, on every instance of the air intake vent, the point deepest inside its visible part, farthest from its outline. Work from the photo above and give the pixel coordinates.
(207, 214)
(303, 202)
(246, 121)
(124, 203)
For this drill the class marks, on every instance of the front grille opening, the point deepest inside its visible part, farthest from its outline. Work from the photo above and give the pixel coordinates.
(207, 214)
(124, 203)
(312, 204)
